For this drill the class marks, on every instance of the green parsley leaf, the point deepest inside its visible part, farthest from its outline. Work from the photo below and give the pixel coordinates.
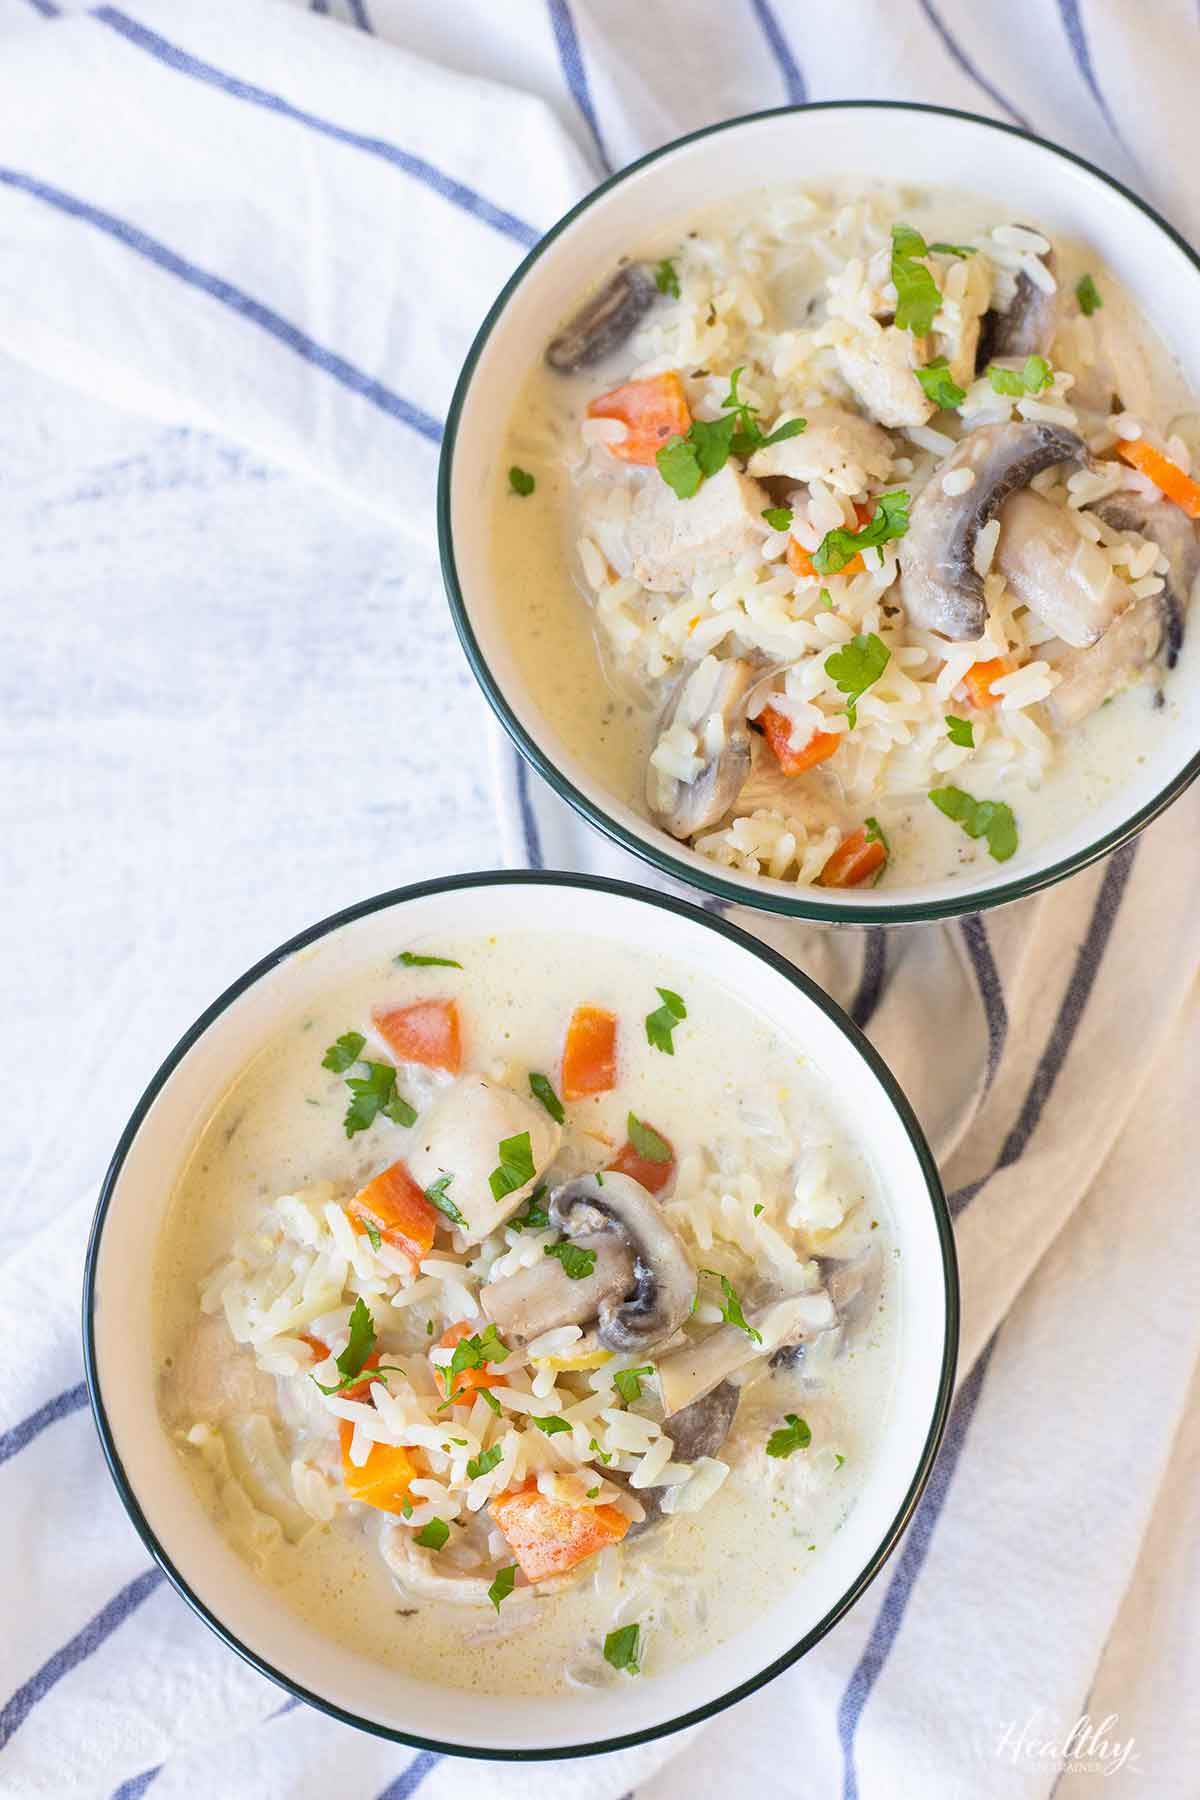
(793, 1435)
(406, 1507)
(489, 1399)
(778, 517)
(628, 1383)
(593, 1493)
(541, 1089)
(398, 1110)
(551, 1425)
(1088, 296)
(516, 1166)
(521, 481)
(824, 601)
(684, 462)
(758, 1207)
(646, 1141)
(992, 819)
(502, 1587)
(789, 429)
(953, 249)
(352, 1361)
(623, 1649)
(838, 1459)
(938, 383)
(484, 1463)
(372, 1231)
(433, 1536)
(440, 1200)
(960, 731)
(472, 1352)
(889, 520)
(679, 467)
(411, 960)
(918, 297)
(856, 667)
(663, 1020)
(576, 1261)
(345, 1053)
(372, 1094)
(535, 1216)
(604, 1455)
(1036, 375)
(665, 278)
(873, 833)
(732, 1312)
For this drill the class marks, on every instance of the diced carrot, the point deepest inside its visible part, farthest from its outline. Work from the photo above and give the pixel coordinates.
(548, 1537)
(800, 562)
(654, 410)
(468, 1381)
(427, 1032)
(653, 1176)
(384, 1479)
(1164, 473)
(589, 1064)
(778, 730)
(979, 678)
(854, 861)
(398, 1209)
(319, 1350)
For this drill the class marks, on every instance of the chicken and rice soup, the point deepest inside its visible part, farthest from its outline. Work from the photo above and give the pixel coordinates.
(524, 1313)
(880, 509)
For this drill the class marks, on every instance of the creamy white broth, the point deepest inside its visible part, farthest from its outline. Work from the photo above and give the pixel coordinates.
(692, 1579)
(607, 711)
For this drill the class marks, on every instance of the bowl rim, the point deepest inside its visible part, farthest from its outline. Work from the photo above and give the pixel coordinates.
(754, 893)
(941, 1218)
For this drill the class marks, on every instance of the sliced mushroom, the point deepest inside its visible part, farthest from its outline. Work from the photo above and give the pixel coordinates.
(880, 370)
(604, 322)
(538, 1299)
(1058, 574)
(664, 1279)
(699, 1430)
(694, 1370)
(1169, 527)
(838, 447)
(671, 541)
(708, 714)
(460, 1136)
(941, 589)
(1027, 325)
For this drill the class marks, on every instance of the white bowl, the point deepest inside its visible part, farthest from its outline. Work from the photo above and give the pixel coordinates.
(148, 1471)
(813, 144)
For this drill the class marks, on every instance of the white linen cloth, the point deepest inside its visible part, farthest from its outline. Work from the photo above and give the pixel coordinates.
(284, 228)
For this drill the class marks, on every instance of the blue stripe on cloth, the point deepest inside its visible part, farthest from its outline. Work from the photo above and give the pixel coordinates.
(135, 1787)
(909, 1565)
(781, 50)
(529, 824)
(959, 55)
(410, 1779)
(870, 986)
(358, 9)
(991, 992)
(570, 56)
(1072, 21)
(95, 1633)
(1083, 977)
(47, 9)
(445, 185)
(72, 1400)
(366, 386)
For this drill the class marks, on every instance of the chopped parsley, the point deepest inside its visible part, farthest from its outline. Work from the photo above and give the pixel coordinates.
(488, 1398)
(593, 1494)
(541, 1089)
(484, 1463)
(372, 1230)
(646, 1141)
(778, 517)
(535, 1216)
(502, 1587)
(856, 667)
(411, 960)
(1036, 375)
(918, 297)
(960, 731)
(663, 1020)
(345, 1053)
(604, 1455)
(838, 1458)
(575, 1259)
(793, 1434)
(953, 249)
(372, 1094)
(628, 1382)
(516, 1166)
(758, 1207)
(839, 546)
(482, 1347)
(440, 1200)
(521, 481)
(665, 278)
(433, 1536)
(939, 384)
(551, 1425)
(873, 833)
(684, 462)
(1088, 296)
(732, 1312)
(824, 601)
(990, 819)
(623, 1649)
(352, 1361)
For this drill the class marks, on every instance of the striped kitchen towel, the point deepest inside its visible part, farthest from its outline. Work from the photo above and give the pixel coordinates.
(283, 225)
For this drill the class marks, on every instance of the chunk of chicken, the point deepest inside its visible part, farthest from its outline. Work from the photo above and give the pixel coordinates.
(960, 346)
(211, 1377)
(460, 1136)
(1121, 657)
(880, 370)
(1062, 577)
(671, 540)
(837, 447)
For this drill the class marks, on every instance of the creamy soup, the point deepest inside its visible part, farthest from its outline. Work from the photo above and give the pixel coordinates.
(859, 544)
(524, 1316)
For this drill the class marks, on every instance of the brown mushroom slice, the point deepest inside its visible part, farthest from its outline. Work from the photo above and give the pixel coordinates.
(1027, 325)
(698, 1430)
(711, 703)
(694, 1370)
(1061, 576)
(605, 321)
(664, 1284)
(1169, 527)
(941, 588)
(534, 1300)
